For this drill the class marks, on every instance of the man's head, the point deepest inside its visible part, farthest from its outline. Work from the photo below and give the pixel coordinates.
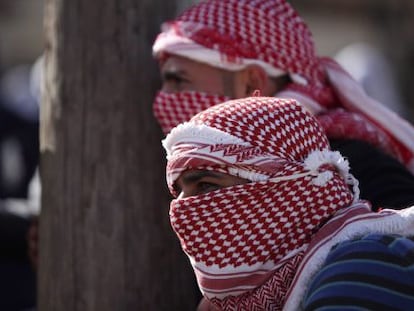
(246, 175)
(254, 139)
(233, 34)
(232, 48)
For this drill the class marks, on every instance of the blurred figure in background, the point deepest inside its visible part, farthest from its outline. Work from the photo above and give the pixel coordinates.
(19, 187)
(369, 66)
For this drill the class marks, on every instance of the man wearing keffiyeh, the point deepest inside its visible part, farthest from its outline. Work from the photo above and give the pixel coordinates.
(222, 49)
(261, 199)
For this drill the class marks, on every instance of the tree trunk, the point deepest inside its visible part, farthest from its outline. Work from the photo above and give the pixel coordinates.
(105, 238)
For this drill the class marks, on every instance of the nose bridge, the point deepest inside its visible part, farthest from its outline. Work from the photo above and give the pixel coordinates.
(183, 188)
(185, 191)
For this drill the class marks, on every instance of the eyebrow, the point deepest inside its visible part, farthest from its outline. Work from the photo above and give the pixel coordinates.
(173, 74)
(197, 175)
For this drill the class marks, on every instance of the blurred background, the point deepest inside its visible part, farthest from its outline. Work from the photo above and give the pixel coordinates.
(372, 39)
(21, 38)
(21, 44)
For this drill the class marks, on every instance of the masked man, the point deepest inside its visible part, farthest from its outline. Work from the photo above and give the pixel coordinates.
(222, 49)
(261, 200)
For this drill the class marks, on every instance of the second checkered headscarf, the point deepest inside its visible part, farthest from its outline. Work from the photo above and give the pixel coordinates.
(231, 34)
(246, 240)
(239, 32)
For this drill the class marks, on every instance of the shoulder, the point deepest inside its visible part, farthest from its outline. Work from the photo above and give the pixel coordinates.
(373, 272)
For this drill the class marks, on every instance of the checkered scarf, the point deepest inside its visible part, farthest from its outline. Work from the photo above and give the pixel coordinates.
(246, 241)
(231, 34)
(171, 109)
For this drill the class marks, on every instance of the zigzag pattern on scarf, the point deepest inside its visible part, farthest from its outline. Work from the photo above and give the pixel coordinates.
(268, 297)
(241, 153)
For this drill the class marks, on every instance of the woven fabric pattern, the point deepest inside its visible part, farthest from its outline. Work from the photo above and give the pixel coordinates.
(270, 296)
(254, 29)
(278, 133)
(175, 108)
(241, 236)
(339, 124)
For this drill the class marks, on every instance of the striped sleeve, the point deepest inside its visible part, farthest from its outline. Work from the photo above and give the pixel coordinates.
(375, 272)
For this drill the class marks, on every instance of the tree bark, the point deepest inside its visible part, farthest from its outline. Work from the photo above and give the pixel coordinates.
(105, 238)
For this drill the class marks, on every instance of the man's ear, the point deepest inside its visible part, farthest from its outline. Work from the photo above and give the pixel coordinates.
(257, 79)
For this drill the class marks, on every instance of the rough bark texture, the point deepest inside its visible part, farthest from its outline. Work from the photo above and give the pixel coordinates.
(105, 238)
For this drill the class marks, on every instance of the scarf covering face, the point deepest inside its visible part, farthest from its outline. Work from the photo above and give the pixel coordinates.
(231, 34)
(171, 109)
(245, 241)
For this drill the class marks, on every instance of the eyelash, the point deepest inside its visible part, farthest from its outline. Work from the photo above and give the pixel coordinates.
(204, 186)
(174, 79)
(201, 186)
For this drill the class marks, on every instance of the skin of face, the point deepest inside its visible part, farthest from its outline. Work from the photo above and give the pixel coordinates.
(182, 74)
(196, 182)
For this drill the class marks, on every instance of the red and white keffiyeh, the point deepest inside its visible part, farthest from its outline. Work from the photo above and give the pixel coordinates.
(245, 241)
(171, 109)
(231, 34)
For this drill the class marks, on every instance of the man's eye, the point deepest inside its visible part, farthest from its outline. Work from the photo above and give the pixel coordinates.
(204, 187)
(174, 80)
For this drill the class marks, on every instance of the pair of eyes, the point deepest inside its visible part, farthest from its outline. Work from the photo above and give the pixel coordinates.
(173, 81)
(192, 183)
(197, 188)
